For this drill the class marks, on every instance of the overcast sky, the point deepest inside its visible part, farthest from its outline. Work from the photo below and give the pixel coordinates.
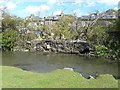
(44, 8)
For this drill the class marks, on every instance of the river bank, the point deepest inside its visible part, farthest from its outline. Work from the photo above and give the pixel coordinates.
(17, 78)
(47, 62)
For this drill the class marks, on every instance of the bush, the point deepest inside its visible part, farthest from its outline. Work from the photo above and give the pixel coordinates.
(8, 39)
(101, 50)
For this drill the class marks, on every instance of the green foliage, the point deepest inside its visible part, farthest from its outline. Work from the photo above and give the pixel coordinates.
(106, 40)
(73, 35)
(19, 21)
(26, 22)
(8, 22)
(62, 30)
(8, 39)
(101, 50)
(0, 37)
(98, 35)
(62, 26)
(46, 28)
(113, 40)
(114, 48)
(30, 36)
(0, 40)
(9, 32)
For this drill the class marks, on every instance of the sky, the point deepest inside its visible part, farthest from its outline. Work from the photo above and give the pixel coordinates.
(44, 8)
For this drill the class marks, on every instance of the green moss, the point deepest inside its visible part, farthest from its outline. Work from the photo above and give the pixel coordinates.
(17, 78)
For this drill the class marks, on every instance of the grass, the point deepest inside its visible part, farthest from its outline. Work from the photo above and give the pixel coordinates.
(0, 39)
(17, 78)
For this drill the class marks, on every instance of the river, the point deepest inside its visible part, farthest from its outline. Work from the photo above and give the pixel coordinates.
(44, 63)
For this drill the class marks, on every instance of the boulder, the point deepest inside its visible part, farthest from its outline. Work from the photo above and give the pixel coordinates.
(67, 68)
(48, 47)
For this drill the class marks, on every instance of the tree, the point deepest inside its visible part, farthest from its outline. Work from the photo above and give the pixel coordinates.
(97, 35)
(9, 32)
(9, 39)
(61, 28)
(8, 22)
(113, 40)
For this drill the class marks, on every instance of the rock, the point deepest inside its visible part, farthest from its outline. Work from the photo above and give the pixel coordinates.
(75, 52)
(81, 75)
(84, 51)
(91, 77)
(48, 47)
(70, 47)
(52, 34)
(25, 50)
(28, 42)
(59, 50)
(15, 50)
(53, 49)
(66, 68)
(40, 48)
(92, 55)
(35, 47)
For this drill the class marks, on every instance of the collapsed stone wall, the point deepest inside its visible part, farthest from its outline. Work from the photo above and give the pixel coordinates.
(70, 47)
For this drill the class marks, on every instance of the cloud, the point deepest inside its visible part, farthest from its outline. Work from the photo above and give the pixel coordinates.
(10, 5)
(90, 3)
(1, 1)
(116, 8)
(77, 12)
(55, 2)
(51, 2)
(57, 13)
(36, 9)
(108, 2)
(78, 2)
(2, 8)
(87, 3)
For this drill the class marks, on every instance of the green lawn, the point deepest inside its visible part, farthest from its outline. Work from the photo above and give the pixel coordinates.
(17, 78)
(0, 39)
